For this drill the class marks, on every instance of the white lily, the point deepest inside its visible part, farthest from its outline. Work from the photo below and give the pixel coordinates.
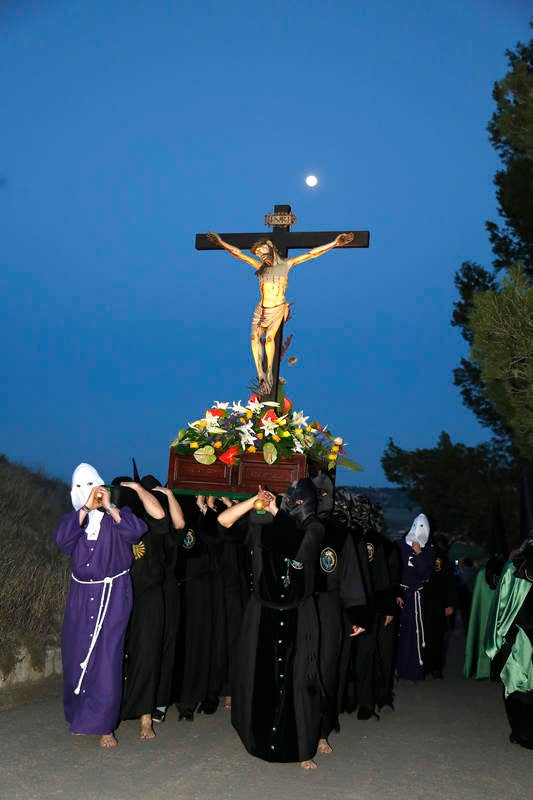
(254, 405)
(297, 445)
(246, 432)
(298, 419)
(239, 408)
(269, 426)
(196, 425)
(212, 425)
(223, 406)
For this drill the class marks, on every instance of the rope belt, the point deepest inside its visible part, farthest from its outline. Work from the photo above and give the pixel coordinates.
(102, 611)
(420, 640)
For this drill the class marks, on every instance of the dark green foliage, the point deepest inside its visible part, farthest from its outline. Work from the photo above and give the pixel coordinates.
(33, 572)
(456, 486)
(502, 326)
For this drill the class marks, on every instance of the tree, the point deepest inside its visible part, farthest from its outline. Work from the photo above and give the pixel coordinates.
(511, 133)
(501, 322)
(455, 485)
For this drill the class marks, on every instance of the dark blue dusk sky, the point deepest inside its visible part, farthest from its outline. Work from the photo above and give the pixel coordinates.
(127, 127)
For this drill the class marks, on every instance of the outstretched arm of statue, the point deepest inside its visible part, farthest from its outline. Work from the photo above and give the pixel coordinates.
(340, 241)
(234, 251)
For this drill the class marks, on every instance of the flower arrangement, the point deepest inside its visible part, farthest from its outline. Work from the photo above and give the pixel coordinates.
(228, 430)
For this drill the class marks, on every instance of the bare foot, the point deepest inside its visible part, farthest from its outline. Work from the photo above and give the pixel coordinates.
(108, 740)
(324, 746)
(308, 764)
(147, 731)
(227, 703)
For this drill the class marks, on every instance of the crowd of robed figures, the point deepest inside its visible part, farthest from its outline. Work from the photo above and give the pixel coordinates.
(292, 612)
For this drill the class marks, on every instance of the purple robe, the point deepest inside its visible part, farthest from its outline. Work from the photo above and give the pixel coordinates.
(416, 570)
(92, 696)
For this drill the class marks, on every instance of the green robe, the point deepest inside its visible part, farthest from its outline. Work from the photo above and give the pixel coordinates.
(517, 672)
(477, 663)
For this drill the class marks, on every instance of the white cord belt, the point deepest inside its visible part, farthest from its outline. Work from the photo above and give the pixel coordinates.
(420, 640)
(102, 611)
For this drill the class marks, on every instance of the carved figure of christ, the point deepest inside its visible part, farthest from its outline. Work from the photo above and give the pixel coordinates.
(272, 311)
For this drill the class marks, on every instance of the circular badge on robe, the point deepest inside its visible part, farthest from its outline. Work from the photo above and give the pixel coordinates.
(296, 564)
(438, 564)
(138, 549)
(370, 551)
(328, 560)
(189, 539)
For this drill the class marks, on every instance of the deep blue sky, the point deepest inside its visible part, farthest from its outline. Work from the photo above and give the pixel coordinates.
(129, 126)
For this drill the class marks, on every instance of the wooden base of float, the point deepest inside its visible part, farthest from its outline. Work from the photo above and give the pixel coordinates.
(188, 476)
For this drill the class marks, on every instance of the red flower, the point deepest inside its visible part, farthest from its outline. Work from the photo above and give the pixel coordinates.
(229, 456)
(319, 426)
(216, 412)
(270, 414)
(254, 398)
(287, 405)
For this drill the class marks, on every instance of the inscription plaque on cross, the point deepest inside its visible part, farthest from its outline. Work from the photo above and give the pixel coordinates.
(270, 259)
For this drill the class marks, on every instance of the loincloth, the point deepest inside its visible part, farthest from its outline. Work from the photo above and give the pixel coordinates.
(269, 317)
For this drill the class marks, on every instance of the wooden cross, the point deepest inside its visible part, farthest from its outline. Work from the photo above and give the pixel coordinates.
(284, 240)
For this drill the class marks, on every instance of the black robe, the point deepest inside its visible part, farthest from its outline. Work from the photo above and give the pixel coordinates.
(339, 586)
(198, 666)
(276, 693)
(440, 592)
(144, 638)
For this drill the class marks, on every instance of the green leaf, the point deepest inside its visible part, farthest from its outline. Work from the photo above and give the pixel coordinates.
(342, 461)
(178, 438)
(205, 455)
(270, 454)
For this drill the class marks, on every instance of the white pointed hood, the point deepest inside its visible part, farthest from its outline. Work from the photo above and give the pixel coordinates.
(84, 479)
(419, 531)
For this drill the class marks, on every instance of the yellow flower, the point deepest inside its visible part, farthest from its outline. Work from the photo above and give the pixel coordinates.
(249, 414)
(193, 445)
(282, 421)
(332, 456)
(251, 449)
(217, 444)
(202, 423)
(276, 437)
(259, 435)
(309, 428)
(242, 419)
(285, 434)
(335, 449)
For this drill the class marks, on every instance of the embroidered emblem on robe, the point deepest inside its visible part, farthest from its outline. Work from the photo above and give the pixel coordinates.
(139, 549)
(328, 560)
(370, 551)
(189, 539)
(438, 564)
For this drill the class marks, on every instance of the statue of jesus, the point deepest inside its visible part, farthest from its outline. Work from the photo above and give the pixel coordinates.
(272, 309)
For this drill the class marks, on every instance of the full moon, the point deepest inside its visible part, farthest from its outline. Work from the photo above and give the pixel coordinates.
(311, 180)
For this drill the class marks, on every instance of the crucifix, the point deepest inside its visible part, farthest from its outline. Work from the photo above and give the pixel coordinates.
(272, 264)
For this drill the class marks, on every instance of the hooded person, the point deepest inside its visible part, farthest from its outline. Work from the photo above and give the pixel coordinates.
(175, 522)
(144, 638)
(276, 693)
(98, 537)
(440, 601)
(509, 642)
(417, 559)
(340, 596)
(476, 662)
(370, 672)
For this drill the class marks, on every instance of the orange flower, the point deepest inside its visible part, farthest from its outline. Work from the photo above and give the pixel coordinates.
(217, 444)
(275, 437)
(259, 435)
(251, 449)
